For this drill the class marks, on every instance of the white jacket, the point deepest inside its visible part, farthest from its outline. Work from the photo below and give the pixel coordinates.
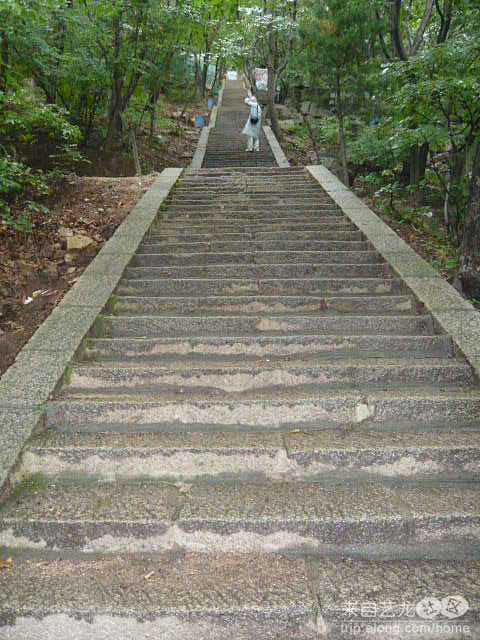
(253, 130)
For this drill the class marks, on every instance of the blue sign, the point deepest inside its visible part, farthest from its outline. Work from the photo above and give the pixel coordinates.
(199, 122)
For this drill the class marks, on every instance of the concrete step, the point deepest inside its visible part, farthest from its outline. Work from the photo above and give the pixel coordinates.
(260, 349)
(259, 257)
(271, 305)
(240, 189)
(184, 228)
(223, 286)
(258, 213)
(249, 202)
(251, 246)
(274, 377)
(293, 455)
(231, 516)
(239, 272)
(379, 408)
(242, 596)
(262, 325)
(188, 237)
(189, 596)
(284, 172)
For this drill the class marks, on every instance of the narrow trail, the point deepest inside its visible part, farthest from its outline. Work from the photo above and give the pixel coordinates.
(265, 434)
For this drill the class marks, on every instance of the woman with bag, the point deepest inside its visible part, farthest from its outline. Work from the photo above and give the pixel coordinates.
(254, 123)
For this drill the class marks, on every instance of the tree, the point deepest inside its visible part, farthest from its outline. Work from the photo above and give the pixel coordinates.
(469, 267)
(332, 35)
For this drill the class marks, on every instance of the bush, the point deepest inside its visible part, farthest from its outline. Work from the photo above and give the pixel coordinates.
(19, 184)
(27, 123)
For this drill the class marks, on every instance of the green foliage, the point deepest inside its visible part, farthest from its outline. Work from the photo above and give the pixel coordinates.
(28, 121)
(31, 484)
(19, 183)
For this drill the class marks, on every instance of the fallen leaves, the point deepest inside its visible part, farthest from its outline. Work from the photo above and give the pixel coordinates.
(34, 268)
(6, 564)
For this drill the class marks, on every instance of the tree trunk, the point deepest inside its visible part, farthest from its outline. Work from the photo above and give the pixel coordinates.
(446, 19)
(136, 159)
(206, 64)
(272, 80)
(114, 126)
(341, 133)
(418, 163)
(469, 272)
(4, 59)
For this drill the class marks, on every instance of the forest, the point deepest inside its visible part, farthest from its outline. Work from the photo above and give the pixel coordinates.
(394, 84)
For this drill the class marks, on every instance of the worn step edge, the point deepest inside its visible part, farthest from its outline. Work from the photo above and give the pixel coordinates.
(350, 407)
(185, 596)
(217, 349)
(115, 379)
(294, 455)
(228, 516)
(247, 326)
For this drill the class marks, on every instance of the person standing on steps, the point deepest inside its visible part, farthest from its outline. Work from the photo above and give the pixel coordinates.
(254, 123)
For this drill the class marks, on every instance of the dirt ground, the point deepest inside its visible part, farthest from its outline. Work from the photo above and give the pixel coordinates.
(36, 270)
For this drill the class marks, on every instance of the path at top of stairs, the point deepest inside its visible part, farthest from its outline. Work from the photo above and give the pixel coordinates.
(265, 430)
(226, 145)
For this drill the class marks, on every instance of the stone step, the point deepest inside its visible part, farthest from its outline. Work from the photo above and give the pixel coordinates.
(308, 376)
(281, 172)
(186, 237)
(408, 407)
(255, 304)
(261, 272)
(219, 351)
(293, 455)
(237, 190)
(245, 201)
(231, 516)
(265, 178)
(259, 213)
(242, 596)
(258, 257)
(251, 246)
(166, 228)
(224, 286)
(189, 596)
(263, 325)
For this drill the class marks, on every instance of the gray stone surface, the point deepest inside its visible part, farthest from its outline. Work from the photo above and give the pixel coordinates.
(263, 379)
(292, 455)
(36, 372)
(189, 596)
(408, 407)
(436, 294)
(201, 149)
(392, 455)
(16, 427)
(277, 150)
(271, 304)
(218, 350)
(454, 314)
(251, 325)
(464, 326)
(367, 589)
(31, 380)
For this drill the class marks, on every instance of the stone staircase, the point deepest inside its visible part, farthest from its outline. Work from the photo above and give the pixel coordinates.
(264, 429)
(226, 148)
